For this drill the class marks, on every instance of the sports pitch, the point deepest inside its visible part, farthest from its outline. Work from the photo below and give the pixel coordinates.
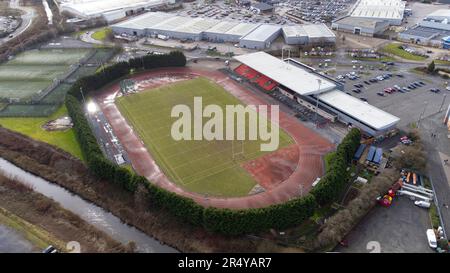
(34, 70)
(205, 167)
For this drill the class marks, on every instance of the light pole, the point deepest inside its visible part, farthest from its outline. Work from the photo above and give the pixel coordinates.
(82, 95)
(319, 81)
(443, 101)
(421, 114)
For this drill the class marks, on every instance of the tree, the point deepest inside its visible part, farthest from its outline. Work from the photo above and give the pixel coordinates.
(431, 67)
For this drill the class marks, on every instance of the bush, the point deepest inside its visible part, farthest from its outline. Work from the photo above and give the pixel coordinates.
(338, 225)
(336, 177)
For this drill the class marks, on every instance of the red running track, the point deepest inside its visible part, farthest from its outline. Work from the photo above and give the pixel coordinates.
(311, 145)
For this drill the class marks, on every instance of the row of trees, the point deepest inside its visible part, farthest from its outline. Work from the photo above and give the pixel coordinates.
(225, 221)
(335, 180)
(340, 224)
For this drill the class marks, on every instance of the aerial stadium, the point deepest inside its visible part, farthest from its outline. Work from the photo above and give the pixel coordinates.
(232, 174)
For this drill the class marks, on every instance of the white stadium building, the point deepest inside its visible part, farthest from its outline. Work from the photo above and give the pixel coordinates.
(311, 89)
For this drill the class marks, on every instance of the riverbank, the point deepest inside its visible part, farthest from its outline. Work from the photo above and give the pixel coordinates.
(63, 169)
(44, 222)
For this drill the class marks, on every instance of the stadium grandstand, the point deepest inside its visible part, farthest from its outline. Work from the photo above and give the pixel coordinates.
(315, 91)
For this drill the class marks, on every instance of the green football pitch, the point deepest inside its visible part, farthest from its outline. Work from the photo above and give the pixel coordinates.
(206, 167)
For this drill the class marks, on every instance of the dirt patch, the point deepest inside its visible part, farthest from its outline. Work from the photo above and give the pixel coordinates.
(272, 169)
(48, 215)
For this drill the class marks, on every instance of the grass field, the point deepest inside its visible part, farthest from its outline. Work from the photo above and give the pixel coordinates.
(32, 127)
(102, 34)
(205, 167)
(394, 48)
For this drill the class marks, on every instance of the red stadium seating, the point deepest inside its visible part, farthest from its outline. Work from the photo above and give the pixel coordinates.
(264, 82)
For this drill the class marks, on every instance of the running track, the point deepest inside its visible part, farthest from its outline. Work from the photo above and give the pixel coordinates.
(311, 145)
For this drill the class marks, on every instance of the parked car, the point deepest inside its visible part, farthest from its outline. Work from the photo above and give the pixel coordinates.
(422, 204)
(405, 89)
(363, 99)
(380, 94)
(400, 76)
(367, 82)
(357, 91)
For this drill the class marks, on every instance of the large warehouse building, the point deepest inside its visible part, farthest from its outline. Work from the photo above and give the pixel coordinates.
(309, 88)
(308, 34)
(371, 17)
(110, 10)
(248, 35)
(433, 29)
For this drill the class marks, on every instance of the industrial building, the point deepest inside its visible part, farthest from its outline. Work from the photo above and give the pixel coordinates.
(432, 30)
(392, 11)
(308, 34)
(247, 35)
(360, 26)
(110, 10)
(260, 37)
(315, 91)
(371, 17)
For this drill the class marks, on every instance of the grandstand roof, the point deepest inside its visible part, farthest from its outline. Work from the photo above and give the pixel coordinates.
(359, 110)
(293, 77)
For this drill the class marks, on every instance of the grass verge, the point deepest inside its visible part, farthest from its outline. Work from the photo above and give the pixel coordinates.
(396, 50)
(32, 127)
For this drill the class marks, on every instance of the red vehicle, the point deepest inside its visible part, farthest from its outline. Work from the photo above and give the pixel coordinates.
(386, 200)
(388, 90)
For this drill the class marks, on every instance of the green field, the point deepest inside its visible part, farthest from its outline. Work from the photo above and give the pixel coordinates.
(32, 127)
(34, 70)
(395, 49)
(205, 167)
(102, 34)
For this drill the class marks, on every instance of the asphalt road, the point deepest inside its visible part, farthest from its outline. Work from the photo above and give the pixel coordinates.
(436, 171)
(400, 228)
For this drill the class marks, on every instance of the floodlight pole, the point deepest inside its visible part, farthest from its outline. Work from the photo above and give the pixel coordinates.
(82, 95)
(421, 114)
(443, 101)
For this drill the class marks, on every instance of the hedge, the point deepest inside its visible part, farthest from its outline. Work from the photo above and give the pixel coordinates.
(225, 221)
(335, 180)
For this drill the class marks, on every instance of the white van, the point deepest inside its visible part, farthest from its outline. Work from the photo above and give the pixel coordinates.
(432, 241)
